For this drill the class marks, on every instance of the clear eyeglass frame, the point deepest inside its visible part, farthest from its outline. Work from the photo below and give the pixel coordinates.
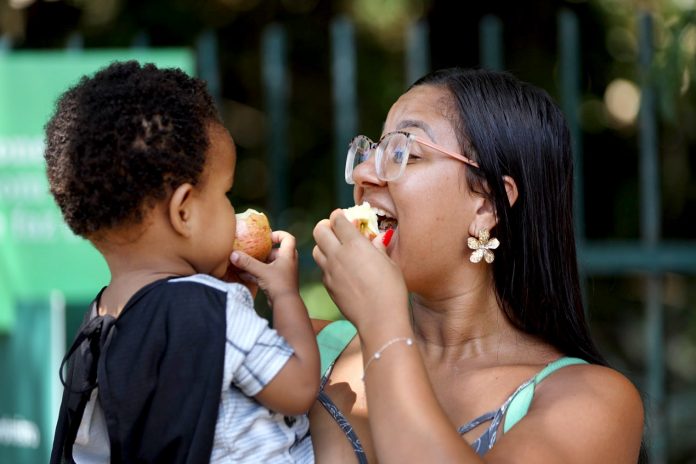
(391, 154)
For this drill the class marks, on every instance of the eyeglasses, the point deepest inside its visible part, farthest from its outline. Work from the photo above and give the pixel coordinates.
(391, 154)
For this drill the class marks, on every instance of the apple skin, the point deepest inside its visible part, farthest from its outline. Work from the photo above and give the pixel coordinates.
(253, 235)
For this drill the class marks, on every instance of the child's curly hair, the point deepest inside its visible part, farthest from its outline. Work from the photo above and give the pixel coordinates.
(122, 140)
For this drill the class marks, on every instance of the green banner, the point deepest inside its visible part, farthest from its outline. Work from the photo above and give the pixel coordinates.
(39, 256)
(38, 253)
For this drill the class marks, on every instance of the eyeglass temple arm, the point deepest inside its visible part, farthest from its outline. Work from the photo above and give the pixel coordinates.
(447, 152)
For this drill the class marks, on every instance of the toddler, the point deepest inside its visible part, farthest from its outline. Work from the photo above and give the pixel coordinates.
(172, 364)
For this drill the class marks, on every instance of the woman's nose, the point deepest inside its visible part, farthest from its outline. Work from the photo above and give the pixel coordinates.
(365, 173)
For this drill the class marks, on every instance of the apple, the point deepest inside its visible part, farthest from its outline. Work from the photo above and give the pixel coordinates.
(364, 217)
(253, 235)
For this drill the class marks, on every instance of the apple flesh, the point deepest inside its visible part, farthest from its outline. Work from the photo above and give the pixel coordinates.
(364, 218)
(253, 235)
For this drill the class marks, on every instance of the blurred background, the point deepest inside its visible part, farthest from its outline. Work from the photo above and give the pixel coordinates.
(294, 80)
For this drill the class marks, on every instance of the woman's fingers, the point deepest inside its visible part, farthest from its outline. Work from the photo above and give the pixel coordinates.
(343, 228)
(319, 257)
(325, 237)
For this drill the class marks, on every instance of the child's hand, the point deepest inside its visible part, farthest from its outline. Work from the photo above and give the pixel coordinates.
(278, 277)
(236, 275)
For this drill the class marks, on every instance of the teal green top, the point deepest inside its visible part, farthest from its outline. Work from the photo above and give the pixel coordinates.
(334, 338)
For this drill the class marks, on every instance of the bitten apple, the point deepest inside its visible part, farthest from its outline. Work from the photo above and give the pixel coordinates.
(253, 234)
(364, 217)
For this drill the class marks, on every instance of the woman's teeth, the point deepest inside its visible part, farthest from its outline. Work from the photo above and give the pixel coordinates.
(385, 220)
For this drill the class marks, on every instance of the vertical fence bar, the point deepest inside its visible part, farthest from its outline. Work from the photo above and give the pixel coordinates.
(5, 43)
(343, 74)
(491, 43)
(141, 40)
(75, 42)
(55, 356)
(276, 86)
(569, 81)
(650, 235)
(569, 73)
(417, 51)
(207, 63)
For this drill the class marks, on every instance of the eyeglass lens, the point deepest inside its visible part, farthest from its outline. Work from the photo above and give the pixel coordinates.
(391, 155)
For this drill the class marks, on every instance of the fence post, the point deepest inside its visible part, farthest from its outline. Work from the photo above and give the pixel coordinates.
(650, 235)
(141, 40)
(491, 43)
(276, 85)
(344, 87)
(75, 42)
(207, 65)
(417, 51)
(569, 73)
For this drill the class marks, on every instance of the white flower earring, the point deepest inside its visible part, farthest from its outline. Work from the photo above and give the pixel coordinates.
(482, 247)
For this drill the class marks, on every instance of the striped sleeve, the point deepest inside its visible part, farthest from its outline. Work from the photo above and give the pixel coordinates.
(255, 352)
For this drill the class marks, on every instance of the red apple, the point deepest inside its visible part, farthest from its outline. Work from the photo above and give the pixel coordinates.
(364, 217)
(253, 234)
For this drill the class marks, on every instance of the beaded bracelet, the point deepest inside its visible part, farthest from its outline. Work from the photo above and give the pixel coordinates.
(378, 353)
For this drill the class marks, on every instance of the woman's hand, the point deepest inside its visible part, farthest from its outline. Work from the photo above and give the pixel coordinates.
(365, 283)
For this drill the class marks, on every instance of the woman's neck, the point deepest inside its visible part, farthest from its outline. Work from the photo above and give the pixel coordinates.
(469, 325)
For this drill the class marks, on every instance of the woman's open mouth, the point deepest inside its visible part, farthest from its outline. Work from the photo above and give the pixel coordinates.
(385, 221)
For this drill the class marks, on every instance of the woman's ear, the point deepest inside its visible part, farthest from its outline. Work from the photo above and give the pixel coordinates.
(511, 189)
(486, 217)
(181, 209)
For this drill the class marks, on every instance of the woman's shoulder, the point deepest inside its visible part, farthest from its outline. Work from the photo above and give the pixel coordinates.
(580, 413)
(583, 382)
(585, 406)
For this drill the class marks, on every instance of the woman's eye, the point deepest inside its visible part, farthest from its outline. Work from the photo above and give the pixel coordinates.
(413, 156)
(398, 156)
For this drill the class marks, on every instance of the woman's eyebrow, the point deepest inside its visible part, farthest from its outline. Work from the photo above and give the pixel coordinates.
(407, 123)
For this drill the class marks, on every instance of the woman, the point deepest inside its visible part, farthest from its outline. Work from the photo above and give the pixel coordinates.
(464, 361)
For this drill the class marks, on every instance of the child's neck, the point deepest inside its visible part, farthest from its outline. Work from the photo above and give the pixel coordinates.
(132, 271)
(123, 286)
(138, 255)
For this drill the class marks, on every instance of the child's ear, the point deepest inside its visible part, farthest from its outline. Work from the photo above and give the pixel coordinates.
(181, 209)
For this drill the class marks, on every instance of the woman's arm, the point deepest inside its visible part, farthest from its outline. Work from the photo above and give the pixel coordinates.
(580, 414)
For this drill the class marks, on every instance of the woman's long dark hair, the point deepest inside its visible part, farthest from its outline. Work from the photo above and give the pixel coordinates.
(513, 128)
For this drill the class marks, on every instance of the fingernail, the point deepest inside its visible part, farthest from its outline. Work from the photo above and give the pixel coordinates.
(234, 257)
(387, 237)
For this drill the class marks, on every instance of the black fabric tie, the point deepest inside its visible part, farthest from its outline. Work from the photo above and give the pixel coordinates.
(91, 340)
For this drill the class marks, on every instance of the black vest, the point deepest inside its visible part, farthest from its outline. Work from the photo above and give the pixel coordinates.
(158, 368)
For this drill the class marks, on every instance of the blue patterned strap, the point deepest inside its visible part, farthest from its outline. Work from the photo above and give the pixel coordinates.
(523, 398)
(332, 340)
(345, 426)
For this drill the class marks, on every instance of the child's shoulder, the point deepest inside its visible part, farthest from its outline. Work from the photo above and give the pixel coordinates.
(205, 283)
(193, 297)
(202, 286)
